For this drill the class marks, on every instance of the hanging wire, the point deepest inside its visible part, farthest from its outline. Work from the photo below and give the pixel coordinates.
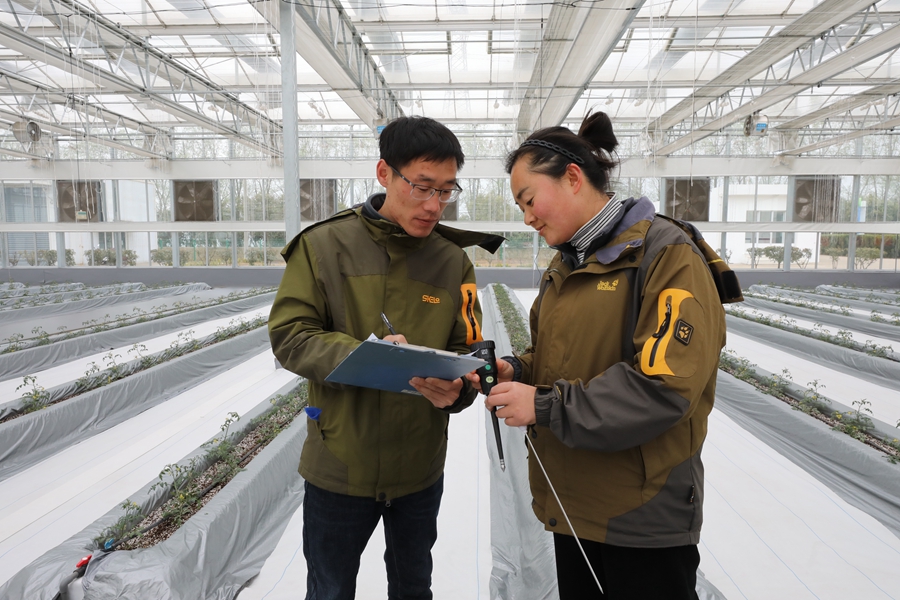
(559, 502)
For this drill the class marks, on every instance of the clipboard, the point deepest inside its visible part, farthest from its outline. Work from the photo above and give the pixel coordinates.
(387, 366)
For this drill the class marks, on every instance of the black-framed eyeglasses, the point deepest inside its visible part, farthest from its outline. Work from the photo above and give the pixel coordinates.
(424, 192)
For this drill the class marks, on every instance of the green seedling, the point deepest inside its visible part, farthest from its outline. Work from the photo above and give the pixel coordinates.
(34, 399)
(813, 401)
(123, 528)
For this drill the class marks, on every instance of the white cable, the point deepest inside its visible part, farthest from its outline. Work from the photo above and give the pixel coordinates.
(571, 528)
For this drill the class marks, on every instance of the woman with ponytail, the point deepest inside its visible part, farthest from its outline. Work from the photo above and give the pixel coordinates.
(619, 381)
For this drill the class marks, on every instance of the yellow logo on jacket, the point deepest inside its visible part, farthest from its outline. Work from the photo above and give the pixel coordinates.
(431, 299)
(605, 286)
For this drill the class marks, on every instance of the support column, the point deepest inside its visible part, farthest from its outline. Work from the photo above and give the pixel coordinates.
(854, 218)
(176, 249)
(61, 250)
(289, 120)
(723, 243)
(789, 217)
(60, 237)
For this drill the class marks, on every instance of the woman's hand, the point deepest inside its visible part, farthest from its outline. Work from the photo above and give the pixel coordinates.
(514, 402)
(505, 373)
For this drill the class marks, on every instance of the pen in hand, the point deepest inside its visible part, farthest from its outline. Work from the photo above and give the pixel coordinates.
(388, 323)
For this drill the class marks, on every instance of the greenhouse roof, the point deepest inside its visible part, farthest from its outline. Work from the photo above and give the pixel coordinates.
(133, 74)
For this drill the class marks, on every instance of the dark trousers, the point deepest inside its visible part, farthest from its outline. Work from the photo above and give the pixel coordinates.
(336, 529)
(625, 573)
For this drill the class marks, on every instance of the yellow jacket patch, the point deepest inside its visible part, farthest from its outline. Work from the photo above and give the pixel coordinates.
(606, 286)
(469, 293)
(653, 356)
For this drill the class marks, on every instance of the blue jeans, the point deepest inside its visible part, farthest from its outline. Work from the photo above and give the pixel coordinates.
(337, 527)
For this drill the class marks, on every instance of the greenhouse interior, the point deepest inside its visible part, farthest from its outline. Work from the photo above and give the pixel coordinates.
(158, 156)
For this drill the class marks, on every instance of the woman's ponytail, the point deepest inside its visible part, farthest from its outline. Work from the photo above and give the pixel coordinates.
(549, 151)
(598, 130)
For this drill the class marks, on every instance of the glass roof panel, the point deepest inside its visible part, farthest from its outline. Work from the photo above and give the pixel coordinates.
(458, 60)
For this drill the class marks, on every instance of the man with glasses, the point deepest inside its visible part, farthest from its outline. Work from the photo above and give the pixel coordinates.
(372, 455)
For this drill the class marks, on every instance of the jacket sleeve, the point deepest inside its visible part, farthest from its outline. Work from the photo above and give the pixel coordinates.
(679, 335)
(300, 320)
(466, 331)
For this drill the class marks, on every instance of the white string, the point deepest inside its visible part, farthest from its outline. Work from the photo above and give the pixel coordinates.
(571, 528)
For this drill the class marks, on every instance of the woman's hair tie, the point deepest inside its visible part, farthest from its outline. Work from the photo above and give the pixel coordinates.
(559, 149)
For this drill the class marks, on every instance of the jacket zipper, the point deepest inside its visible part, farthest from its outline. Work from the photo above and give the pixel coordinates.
(470, 313)
(663, 328)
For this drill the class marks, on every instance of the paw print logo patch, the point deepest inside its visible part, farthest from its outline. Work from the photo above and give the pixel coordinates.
(683, 331)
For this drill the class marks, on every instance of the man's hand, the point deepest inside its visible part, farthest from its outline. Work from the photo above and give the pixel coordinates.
(397, 339)
(505, 373)
(440, 392)
(514, 402)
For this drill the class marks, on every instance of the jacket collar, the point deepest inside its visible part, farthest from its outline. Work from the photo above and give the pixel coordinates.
(633, 212)
(463, 239)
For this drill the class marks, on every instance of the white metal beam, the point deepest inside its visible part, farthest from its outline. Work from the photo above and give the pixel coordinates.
(365, 26)
(81, 135)
(887, 125)
(102, 52)
(484, 226)
(329, 43)
(842, 106)
(823, 17)
(15, 39)
(860, 53)
(578, 40)
(697, 166)
(19, 154)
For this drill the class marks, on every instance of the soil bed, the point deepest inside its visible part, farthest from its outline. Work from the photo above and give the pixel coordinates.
(838, 424)
(99, 379)
(165, 520)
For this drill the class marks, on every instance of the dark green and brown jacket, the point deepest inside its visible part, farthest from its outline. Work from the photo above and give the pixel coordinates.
(620, 425)
(341, 275)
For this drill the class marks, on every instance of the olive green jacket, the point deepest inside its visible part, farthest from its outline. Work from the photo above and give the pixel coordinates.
(620, 422)
(341, 274)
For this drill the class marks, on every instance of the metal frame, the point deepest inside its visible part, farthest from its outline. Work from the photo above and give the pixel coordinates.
(576, 42)
(809, 66)
(327, 39)
(140, 71)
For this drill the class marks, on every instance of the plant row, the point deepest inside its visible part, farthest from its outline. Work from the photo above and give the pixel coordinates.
(18, 341)
(37, 397)
(519, 337)
(857, 423)
(59, 296)
(892, 319)
(834, 308)
(188, 487)
(84, 294)
(843, 337)
(21, 289)
(882, 298)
